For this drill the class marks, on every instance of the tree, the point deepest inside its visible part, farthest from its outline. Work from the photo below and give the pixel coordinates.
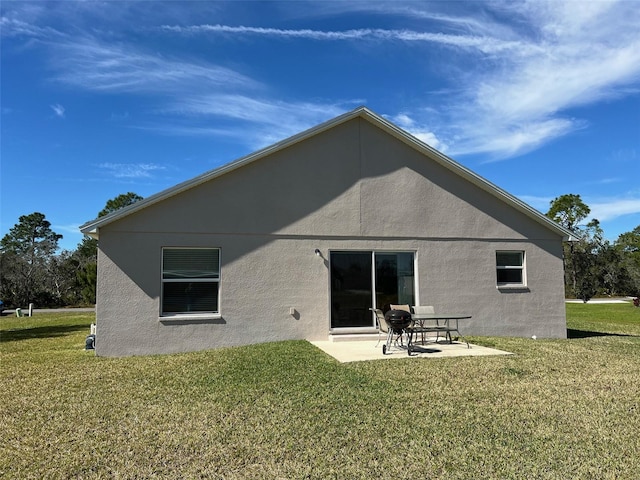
(628, 246)
(86, 254)
(121, 201)
(31, 238)
(87, 278)
(592, 265)
(27, 251)
(32, 272)
(569, 210)
(629, 242)
(88, 248)
(587, 261)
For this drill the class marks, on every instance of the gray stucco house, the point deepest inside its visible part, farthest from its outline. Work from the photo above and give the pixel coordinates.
(300, 239)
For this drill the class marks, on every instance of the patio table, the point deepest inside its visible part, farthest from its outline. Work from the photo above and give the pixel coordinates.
(444, 322)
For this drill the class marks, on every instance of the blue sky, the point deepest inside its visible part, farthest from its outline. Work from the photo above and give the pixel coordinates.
(103, 98)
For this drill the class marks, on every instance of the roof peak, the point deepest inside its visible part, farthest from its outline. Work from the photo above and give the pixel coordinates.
(91, 228)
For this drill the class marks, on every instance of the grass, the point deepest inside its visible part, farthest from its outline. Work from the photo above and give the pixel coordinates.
(555, 409)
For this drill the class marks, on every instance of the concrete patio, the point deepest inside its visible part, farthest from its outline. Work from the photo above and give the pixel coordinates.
(360, 350)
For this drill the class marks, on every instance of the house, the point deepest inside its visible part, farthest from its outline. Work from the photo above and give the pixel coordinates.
(300, 239)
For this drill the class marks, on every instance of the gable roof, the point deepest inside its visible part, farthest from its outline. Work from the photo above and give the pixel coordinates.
(92, 228)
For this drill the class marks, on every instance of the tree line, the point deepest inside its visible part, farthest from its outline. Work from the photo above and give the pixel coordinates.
(32, 270)
(594, 266)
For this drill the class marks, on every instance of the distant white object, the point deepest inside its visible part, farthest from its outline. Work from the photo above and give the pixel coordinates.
(599, 300)
(93, 329)
(534, 337)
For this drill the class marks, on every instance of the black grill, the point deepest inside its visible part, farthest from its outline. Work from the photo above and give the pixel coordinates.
(398, 320)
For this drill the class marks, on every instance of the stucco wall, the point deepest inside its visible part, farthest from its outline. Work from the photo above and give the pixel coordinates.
(352, 187)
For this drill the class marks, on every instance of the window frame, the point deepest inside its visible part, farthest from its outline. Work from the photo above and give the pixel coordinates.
(164, 281)
(522, 268)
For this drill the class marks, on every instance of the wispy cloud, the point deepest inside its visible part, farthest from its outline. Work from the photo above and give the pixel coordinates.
(127, 170)
(91, 62)
(584, 55)
(422, 132)
(624, 155)
(94, 65)
(270, 120)
(58, 110)
(71, 235)
(187, 93)
(12, 27)
(614, 208)
(607, 180)
(517, 94)
(67, 229)
(483, 43)
(513, 85)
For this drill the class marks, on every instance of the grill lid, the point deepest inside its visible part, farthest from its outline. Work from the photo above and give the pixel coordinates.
(398, 319)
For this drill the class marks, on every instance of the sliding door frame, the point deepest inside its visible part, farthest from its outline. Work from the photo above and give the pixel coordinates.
(338, 325)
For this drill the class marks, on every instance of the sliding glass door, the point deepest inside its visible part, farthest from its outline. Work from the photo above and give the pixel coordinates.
(361, 280)
(351, 289)
(394, 279)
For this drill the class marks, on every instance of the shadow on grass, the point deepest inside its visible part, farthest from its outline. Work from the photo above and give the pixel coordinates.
(40, 332)
(572, 333)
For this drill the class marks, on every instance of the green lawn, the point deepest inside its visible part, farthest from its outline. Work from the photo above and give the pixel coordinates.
(556, 409)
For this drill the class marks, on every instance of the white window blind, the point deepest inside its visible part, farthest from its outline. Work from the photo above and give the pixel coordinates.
(188, 263)
(190, 280)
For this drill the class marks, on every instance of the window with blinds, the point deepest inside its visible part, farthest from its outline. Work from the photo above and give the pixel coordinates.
(190, 280)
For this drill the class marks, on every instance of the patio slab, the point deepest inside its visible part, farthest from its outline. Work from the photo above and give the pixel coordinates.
(362, 350)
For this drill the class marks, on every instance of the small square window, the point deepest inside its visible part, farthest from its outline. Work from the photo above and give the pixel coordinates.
(510, 269)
